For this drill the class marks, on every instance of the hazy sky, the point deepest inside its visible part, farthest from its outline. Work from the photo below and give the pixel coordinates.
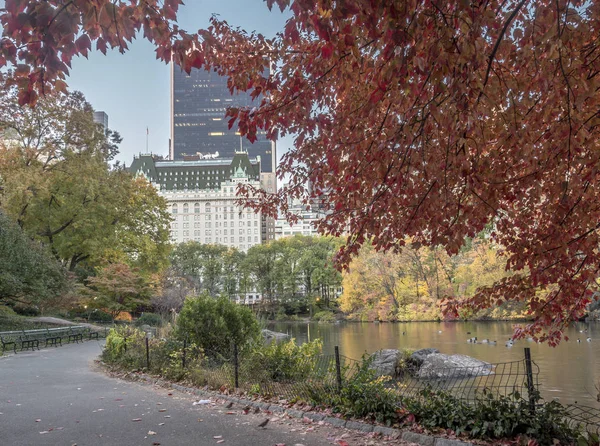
(134, 88)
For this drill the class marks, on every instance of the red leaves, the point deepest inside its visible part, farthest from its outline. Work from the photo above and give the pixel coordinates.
(504, 118)
(83, 44)
(327, 51)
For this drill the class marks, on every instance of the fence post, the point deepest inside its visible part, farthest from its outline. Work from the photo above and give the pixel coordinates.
(147, 354)
(530, 386)
(183, 354)
(236, 367)
(338, 369)
(124, 344)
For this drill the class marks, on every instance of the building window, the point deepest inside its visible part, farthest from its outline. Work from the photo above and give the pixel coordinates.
(174, 208)
(249, 231)
(255, 238)
(207, 208)
(196, 208)
(255, 223)
(241, 231)
(185, 208)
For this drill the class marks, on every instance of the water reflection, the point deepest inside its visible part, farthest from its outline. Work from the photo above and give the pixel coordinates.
(569, 372)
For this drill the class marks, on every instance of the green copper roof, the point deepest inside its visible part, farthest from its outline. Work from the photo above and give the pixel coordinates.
(202, 174)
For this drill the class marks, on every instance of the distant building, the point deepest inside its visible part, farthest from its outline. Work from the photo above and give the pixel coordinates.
(101, 118)
(198, 124)
(201, 194)
(308, 216)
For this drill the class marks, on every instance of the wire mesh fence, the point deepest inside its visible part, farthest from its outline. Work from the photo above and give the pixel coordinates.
(468, 383)
(306, 378)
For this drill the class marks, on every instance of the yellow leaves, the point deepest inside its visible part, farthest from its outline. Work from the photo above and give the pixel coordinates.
(324, 13)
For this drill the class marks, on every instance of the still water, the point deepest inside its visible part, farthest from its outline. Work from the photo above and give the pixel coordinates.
(569, 372)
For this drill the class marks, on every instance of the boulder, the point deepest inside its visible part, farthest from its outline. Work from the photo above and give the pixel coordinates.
(384, 362)
(274, 336)
(418, 357)
(438, 365)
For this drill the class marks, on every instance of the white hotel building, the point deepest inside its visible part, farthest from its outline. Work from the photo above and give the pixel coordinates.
(201, 195)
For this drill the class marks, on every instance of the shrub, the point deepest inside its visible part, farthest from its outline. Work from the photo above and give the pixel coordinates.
(492, 416)
(100, 316)
(324, 316)
(154, 320)
(215, 325)
(123, 347)
(363, 395)
(283, 361)
(7, 311)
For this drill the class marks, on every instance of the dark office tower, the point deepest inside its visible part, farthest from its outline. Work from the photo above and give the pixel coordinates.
(198, 124)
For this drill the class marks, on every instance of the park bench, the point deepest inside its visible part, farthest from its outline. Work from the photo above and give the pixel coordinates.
(10, 338)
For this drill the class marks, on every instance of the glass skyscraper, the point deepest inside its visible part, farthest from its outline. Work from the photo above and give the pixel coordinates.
(198, 124)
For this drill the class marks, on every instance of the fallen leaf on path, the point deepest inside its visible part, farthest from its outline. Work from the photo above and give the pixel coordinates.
(137, 419)
(162, 410)
(343, 443)
(161, 424)
(151, 433)
(156, 443)
(118, 399)
(220, 441)
(45, 432)
(38, 420)
(167, 416)
(217, 437)
(231, 413)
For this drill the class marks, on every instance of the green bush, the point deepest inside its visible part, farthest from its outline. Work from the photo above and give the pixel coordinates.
(324, 316)
(154, 320)
(100, 316)
(283, 361)
(124, 347)
(7, 311)
(215, 325)
(363, 395)
(492, 416)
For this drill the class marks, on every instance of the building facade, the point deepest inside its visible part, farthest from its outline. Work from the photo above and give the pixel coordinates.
(198, 124)
(201, 196)
(101, 118)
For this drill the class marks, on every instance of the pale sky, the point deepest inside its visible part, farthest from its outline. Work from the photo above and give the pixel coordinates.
(134, 88)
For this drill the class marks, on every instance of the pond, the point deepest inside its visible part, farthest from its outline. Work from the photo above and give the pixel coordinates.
(569, 372)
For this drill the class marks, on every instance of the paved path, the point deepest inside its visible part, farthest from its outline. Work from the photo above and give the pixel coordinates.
(56, 397)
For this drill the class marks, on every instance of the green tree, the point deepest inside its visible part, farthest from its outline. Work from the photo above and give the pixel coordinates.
(29, 274)
(204, 264)
(59, 186)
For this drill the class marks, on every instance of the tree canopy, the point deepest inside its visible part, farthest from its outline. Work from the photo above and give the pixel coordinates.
(413, 120)
(58, 184)
(28, 272)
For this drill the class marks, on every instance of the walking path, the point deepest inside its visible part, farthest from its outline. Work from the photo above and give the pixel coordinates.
(57, 396)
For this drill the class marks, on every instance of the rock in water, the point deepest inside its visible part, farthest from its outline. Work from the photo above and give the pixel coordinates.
(419, 356)
(438, 365)
(270, 336)
(385, 362)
